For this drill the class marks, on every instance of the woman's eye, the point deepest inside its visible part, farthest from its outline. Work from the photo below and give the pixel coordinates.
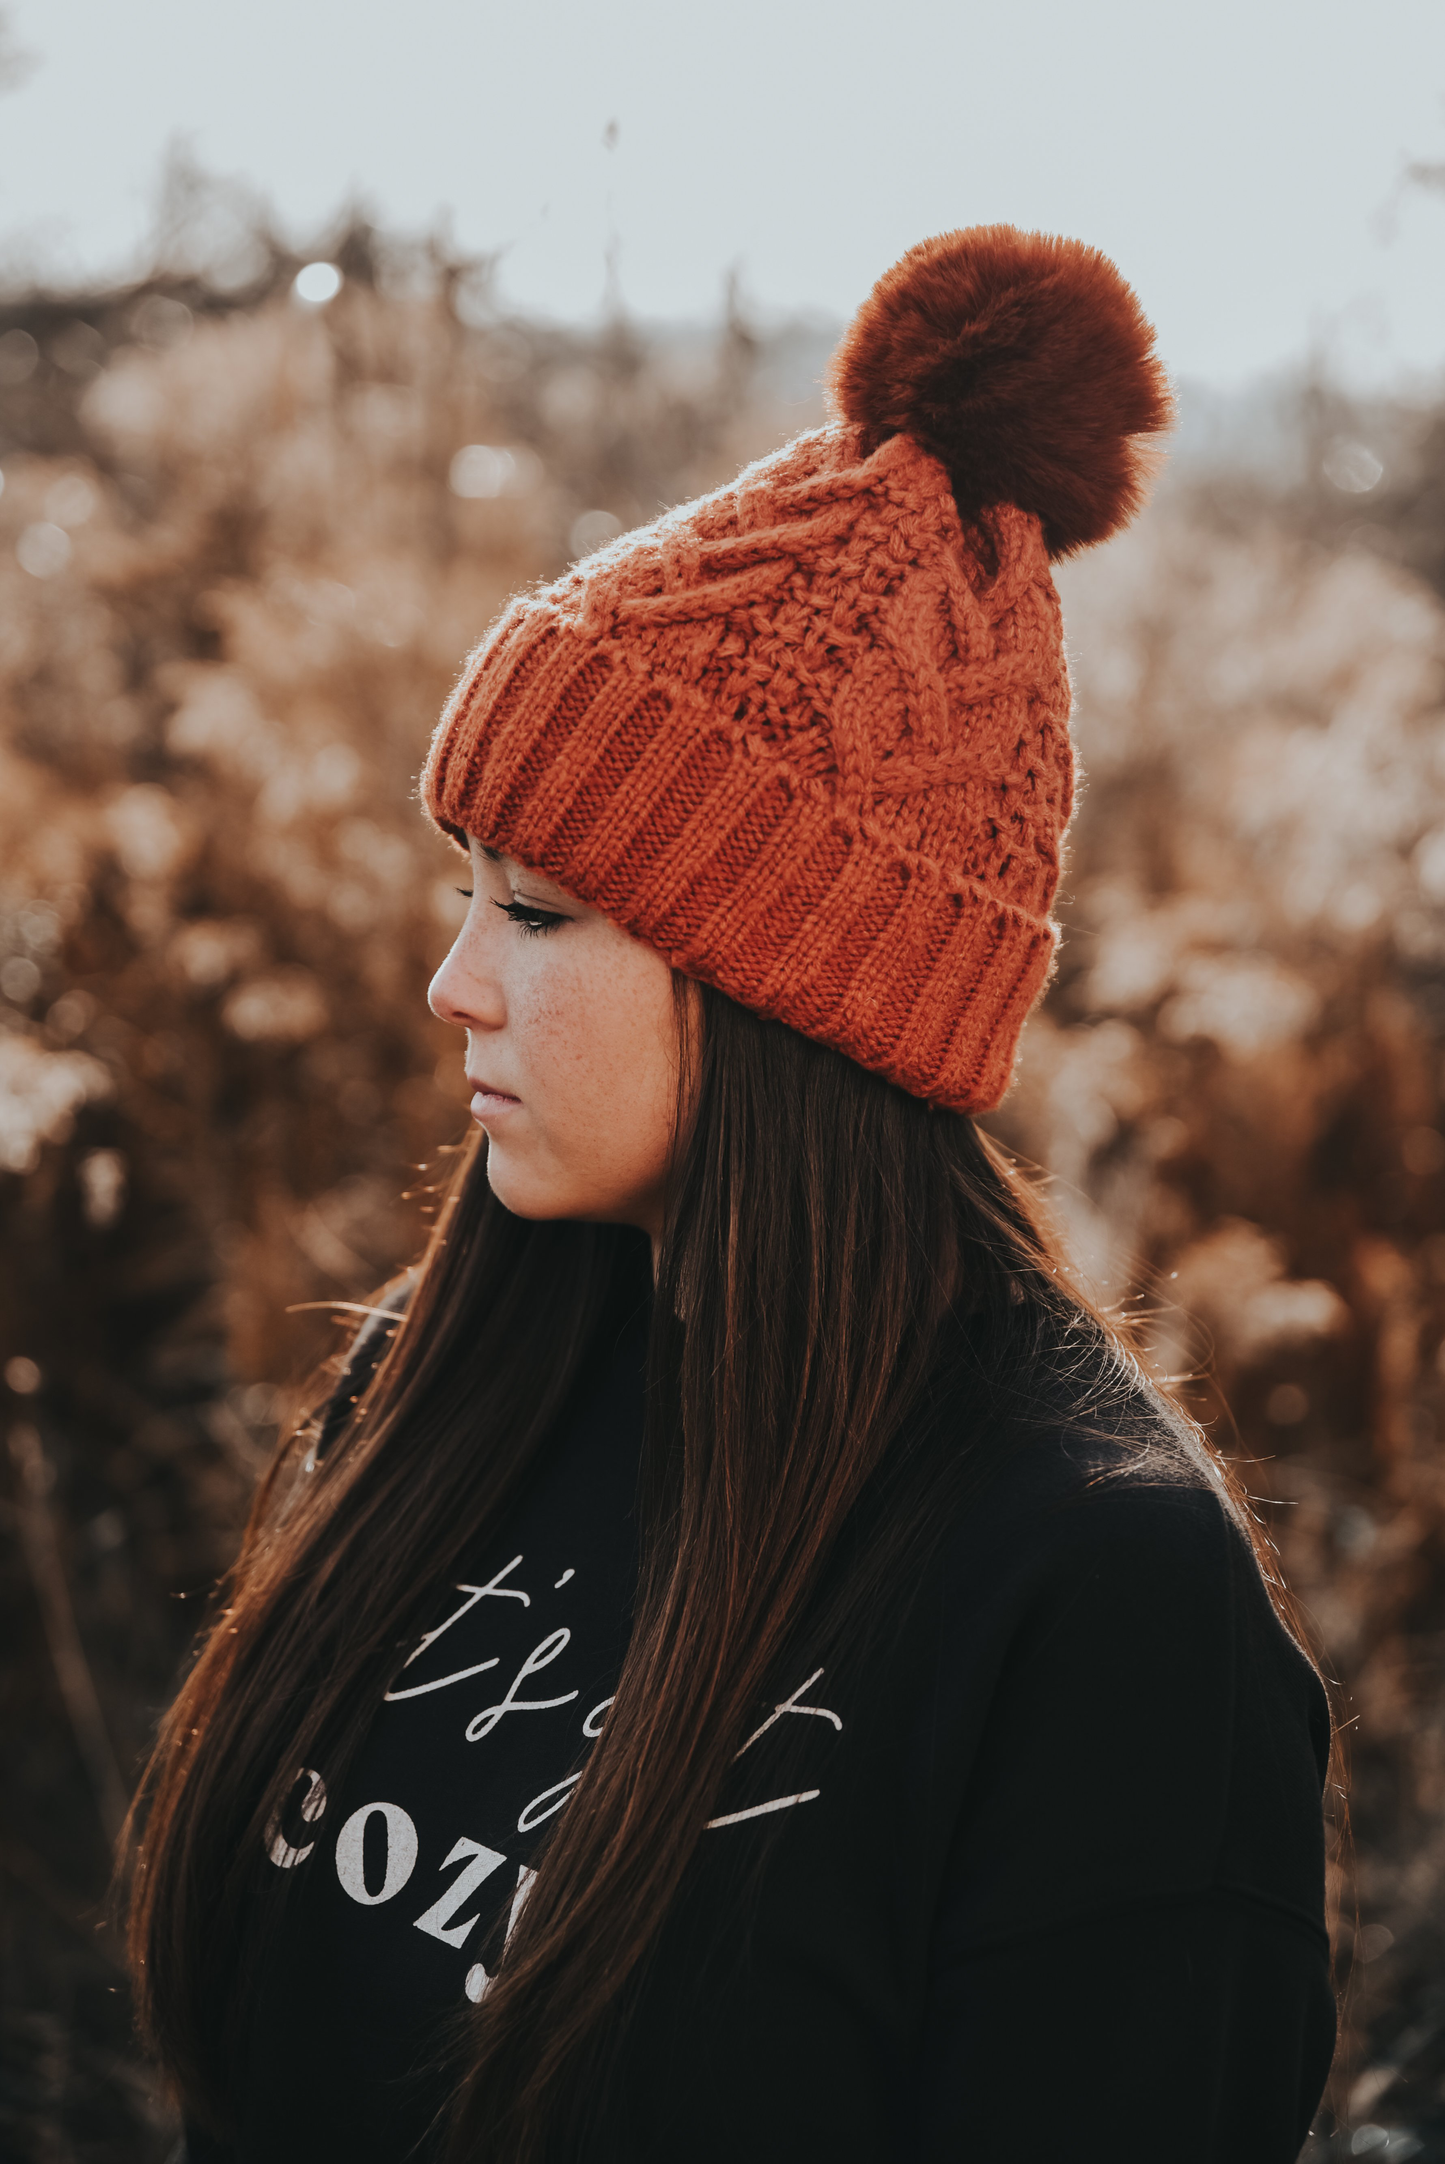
(466, 893)
(529, 919)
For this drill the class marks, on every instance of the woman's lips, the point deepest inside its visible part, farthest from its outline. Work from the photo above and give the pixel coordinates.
(489, 1103)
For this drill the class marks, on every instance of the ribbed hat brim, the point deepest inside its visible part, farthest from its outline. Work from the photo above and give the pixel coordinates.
(740, 872)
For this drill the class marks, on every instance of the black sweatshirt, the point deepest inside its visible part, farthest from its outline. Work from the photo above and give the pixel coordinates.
(1041, 1878)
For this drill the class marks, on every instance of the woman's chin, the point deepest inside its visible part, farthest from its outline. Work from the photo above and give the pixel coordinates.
(510, 1184)
(525, 1191)
(528, 1192)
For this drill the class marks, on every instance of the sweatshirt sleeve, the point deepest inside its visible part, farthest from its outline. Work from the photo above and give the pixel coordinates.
(197, 2147)
(1129, 1957)
(1197, 2030)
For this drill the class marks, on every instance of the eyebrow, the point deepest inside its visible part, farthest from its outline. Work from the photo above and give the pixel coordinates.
(497, 856)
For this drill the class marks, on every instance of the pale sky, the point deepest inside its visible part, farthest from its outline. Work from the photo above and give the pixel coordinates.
(1240, 160)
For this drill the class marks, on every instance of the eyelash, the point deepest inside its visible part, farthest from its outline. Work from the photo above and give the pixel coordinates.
(533, 923)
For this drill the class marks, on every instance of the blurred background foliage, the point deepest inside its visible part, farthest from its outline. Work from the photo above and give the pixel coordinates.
(255, 510)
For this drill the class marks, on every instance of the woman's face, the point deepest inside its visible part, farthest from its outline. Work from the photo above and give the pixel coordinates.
(572, 1049)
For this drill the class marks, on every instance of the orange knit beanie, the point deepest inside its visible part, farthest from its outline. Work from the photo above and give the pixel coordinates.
(808, 736)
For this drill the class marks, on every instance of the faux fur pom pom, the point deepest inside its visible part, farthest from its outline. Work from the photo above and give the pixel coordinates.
(1025, 364)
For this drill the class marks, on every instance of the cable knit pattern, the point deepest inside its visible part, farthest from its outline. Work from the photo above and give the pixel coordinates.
(798, 739)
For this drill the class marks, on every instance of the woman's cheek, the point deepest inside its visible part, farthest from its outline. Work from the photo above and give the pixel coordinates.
(594, 1044)
(541, 1161)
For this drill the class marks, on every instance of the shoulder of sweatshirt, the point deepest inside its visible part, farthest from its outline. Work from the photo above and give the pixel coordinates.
(1127, 1708)
(1127, 1494)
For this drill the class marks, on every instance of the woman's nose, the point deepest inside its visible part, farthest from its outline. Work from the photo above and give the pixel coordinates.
(465, 993)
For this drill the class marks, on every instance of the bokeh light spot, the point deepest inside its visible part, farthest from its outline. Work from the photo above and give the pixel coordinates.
(18, 357)
(480, 469)
(593, 530)
(19, 979)
(492, 469)
(1355, 1530)
(79, 349)
(161, 322)
(1286, 1405)
(1422, 1151)
(1352, 467)
(317, 284)
(286, 1007)
(71, 501)
(72, 1013)
(43, 549)
(102, 1177)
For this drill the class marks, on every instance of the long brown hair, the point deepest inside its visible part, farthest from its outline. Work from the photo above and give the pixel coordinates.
(827, 1235)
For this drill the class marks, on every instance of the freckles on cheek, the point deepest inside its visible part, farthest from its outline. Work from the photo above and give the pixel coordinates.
(550, 1021)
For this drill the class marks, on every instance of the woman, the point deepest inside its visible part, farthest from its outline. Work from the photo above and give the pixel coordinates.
(827, 1705)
